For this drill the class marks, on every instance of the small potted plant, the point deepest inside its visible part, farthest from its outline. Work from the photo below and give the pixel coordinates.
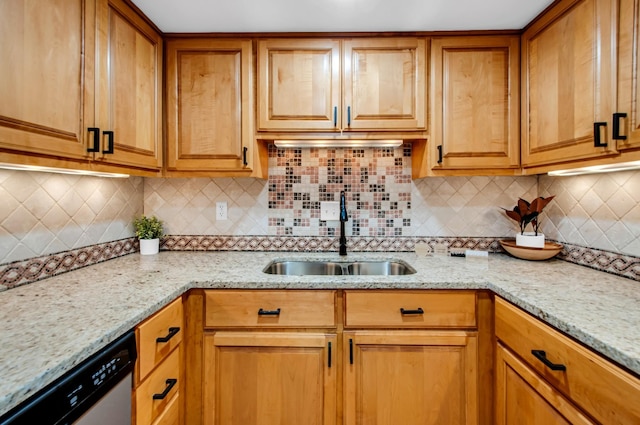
(149, 232)
(529, 212)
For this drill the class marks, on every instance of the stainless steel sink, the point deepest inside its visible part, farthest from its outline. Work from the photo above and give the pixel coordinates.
(302, 268)
(354, 268)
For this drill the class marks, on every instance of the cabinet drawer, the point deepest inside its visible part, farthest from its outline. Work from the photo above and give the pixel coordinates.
(149, 408)
(410, 309)
(158, 336)
(605, 391)
(270, 309)
(171, 414)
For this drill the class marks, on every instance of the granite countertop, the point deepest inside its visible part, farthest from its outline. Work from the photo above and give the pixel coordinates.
(50, 326)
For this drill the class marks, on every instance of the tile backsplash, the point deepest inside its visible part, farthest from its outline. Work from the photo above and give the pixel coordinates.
(44, 213)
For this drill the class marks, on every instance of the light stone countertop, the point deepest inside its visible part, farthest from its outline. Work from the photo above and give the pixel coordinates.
(50, 326)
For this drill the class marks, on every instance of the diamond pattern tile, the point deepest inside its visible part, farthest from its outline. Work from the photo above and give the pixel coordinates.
(44, 213)
(596, 211)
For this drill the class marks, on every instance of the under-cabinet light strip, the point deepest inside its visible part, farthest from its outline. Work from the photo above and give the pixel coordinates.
(38, 168)
(338, 143)
(608, 168)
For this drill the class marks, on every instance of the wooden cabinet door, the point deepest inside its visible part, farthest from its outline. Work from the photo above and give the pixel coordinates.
(628, 73)
(410, 377)
(384, 84)
(475, 114)
(523, 398)
(46, 76)
(265, 378)
(209, 107)
(130, 99)
(568, 59)
(299, 84)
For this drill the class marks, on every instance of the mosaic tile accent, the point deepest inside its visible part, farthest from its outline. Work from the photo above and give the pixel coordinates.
(22, 272)
(377, 182)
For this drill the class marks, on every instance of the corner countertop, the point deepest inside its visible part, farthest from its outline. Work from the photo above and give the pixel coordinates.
(50, 326)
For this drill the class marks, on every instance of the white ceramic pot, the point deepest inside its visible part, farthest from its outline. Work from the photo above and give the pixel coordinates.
(149, 246)
(530, 240)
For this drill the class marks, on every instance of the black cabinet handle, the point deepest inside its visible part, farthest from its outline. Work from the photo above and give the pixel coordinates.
(262, 312)
(419, 310)
(170, 384)
(350, 351)
(109, 135)
(335, 116)
(616, 126)
(171, 334)
(439, 147)
(542, 356)
(596, 135)
(348, 116)
(329, 361)
(244, 156)
(96, 139)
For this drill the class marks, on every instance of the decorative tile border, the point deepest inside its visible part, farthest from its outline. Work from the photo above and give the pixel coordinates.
(22, 272)
(317, 244)
(606, 261)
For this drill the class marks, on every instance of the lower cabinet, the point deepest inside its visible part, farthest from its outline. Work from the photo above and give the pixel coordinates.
(544, 377)
(270, 378)
(349, 357)
(158, 380)
(410, 377)
(523, 398)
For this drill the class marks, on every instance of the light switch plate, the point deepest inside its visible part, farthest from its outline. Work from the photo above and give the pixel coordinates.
(329, 211)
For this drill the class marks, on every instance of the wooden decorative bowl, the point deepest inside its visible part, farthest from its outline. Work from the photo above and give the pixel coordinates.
(551, 249)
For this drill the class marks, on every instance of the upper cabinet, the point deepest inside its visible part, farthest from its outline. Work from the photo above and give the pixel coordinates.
(209, 107)
(568, 83)
(81, 86)
(475, 96)
(627, 121)
(331, 85)
(47, 52)
(130, 100)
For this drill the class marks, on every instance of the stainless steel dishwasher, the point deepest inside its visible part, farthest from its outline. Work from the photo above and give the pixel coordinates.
(96, 392)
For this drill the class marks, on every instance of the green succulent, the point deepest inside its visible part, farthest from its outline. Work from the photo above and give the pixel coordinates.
(148, 227)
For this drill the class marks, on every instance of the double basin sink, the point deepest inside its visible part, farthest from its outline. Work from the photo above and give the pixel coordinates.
(338, 268)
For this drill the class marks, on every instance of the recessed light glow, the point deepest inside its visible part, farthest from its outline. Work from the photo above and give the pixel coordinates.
(608, 168)
(38, 168)
(338, 143)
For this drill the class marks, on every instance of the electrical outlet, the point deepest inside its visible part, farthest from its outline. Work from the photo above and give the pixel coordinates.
(329, 211)
(221, 211)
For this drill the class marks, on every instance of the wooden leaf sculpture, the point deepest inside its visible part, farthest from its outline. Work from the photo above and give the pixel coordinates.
(527, 212)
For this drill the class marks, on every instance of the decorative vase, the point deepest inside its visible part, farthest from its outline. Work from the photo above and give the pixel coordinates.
(530, 239)
(149, 246)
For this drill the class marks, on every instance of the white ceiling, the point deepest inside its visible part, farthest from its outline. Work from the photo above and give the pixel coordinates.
(339, 15)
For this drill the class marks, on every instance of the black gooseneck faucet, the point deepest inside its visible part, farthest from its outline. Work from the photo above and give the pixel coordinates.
(343, 219)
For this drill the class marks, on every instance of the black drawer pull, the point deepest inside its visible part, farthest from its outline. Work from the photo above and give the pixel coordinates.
(616, 126)
(96, 139)
(244, 156)
(439, 147)
(335, 116)
(350, 351)
(171, 334)
(542, 356)
(262, 312)
(329, 361)
(170, 384)
(596, 135)
(109, 135)
(418, 311)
